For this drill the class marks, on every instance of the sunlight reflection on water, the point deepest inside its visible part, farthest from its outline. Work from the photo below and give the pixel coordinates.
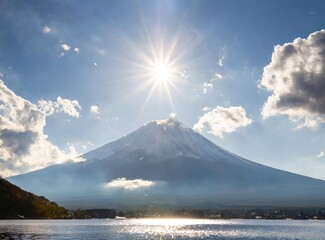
(162, 229)
(222, 229)
(171, 228)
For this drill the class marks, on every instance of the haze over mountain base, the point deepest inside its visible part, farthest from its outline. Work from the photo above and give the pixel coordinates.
(166, 164)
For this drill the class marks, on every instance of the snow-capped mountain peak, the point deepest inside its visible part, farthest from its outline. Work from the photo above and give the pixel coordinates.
(160, 140)
(158, 137)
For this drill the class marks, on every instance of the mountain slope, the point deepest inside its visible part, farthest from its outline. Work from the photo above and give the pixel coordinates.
(16, 203)
(165, 162)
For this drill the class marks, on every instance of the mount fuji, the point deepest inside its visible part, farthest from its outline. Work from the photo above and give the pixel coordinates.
(165, 163)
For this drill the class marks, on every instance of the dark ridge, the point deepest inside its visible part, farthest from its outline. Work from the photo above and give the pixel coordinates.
(17, 203)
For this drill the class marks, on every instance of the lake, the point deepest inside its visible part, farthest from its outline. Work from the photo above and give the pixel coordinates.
(163, 229)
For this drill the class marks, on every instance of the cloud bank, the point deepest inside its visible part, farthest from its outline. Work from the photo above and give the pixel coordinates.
(23, 144)
(129, 184)
(222, 120)
(296, 78)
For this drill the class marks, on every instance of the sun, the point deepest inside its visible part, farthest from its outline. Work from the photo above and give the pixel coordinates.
(157, 66)
(162, 73)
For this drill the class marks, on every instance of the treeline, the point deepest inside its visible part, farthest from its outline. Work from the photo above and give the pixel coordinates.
(228, 213)
(92, 213)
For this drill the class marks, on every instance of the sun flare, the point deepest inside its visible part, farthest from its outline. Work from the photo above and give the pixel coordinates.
(158, 66)
(162, 73)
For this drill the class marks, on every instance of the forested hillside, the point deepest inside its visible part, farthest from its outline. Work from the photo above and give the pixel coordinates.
(17, 203)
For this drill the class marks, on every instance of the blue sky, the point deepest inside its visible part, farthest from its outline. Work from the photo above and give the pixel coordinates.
(64, 58)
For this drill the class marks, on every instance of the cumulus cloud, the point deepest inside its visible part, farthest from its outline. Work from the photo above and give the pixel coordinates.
(207, 86)
(172, 115)
(17, 141)
(129, 184)
(67, 106)
(222, 120)
(296, 78)
(46, 29)
(65, 47)
(23, 144)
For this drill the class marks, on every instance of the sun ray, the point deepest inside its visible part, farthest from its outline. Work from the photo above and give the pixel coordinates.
(153, 88)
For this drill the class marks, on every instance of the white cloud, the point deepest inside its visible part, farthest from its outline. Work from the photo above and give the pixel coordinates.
(321, 154)
(94, 110)
(172, 115)
(220, 61)
(207, 86)
(183, 74)
(23, 144)
(70, 107)
(205, 109)
(46, 29)
(95, 64)
(77, 50)
(73, 152)
(296, 78)
(222, 120)
(217, 76)
(75, 149)
(129, 184)
(65, 47)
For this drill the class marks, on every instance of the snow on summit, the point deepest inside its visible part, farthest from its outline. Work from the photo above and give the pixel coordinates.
(169, 122)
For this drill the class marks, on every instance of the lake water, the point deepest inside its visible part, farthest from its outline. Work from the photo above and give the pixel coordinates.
(162, 229)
